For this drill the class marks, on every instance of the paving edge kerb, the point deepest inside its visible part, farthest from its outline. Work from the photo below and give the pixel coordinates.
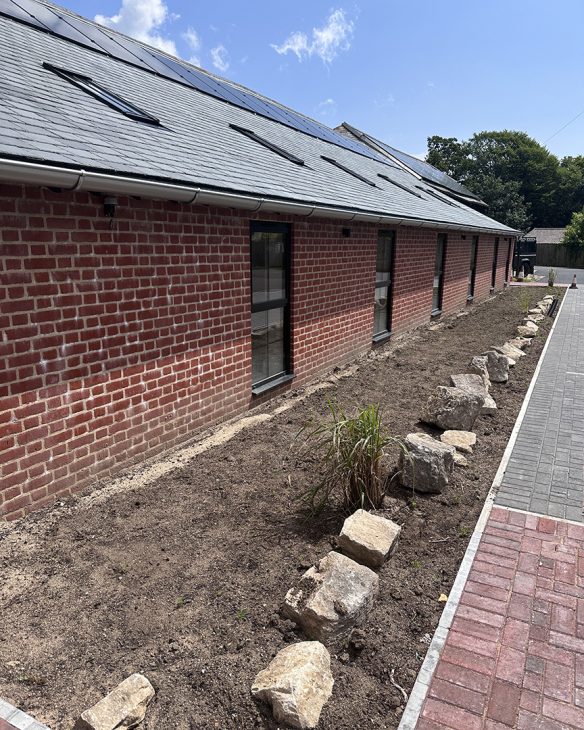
(420, 689)
(19, 719)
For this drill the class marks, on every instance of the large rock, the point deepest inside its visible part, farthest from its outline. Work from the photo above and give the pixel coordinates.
(427, 464)
(296, 684)
(520, 342)
(124, 707)
(531, 325)
(478, 366)
(509, 351)
(497, 366)
(537, 310)
(332, 598)
(473, 383)
(534, 318)
(368, 539)
(452, 408)
(461, 440)
(525, 331)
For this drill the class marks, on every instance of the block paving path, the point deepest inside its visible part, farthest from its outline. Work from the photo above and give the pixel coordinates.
(545, 473)
(510, 654)
(514, 656)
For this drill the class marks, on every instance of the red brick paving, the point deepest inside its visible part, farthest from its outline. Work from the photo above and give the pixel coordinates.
(514, 656)
(4, 725)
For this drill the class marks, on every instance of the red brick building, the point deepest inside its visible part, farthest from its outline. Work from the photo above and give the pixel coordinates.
(161, 270)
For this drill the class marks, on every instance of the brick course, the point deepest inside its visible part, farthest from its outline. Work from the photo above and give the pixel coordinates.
(119, 338)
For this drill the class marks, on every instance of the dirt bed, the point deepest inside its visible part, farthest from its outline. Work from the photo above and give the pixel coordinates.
(182, 579)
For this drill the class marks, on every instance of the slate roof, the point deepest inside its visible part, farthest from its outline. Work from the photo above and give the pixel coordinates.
(546, 235)
(422, 168)
(44, 118)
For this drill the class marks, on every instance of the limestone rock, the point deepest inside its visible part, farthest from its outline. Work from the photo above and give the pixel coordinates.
(428, 463)
(461, 440)
(471, 383)
(524, 331)
(124, 707)
(520, 342)
(497, 366)
(510, 351)
(460, 460)
(296, 684)
(536, 310)
(452, 408)
(368, 539)
(534, 317)
(478, 366)
(531, 325)
(332, 598)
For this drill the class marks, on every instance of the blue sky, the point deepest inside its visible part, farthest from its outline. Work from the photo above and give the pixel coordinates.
(399, 69)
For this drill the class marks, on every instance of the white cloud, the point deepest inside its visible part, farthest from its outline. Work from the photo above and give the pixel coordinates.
(325, 42)
(220, 58)
(326, 108)
(194, 43)
(141, 19)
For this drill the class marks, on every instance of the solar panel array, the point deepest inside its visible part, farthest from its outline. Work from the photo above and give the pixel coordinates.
(71, 27)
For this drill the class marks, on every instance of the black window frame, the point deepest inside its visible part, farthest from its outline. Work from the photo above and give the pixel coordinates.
(286, 375)
(250, 134)
(442, 238)
(399, 185)
(508, 261)
(474, 254)
(384, 334)
(105, 96)
(495, 261)
(348, 170)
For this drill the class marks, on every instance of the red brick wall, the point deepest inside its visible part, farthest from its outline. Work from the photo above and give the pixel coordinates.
(118, 340)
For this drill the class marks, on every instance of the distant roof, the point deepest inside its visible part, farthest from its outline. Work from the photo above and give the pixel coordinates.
(422, 168)
(546, 235)
(72, 92)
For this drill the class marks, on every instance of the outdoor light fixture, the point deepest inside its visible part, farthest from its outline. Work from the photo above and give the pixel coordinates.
(109, 206)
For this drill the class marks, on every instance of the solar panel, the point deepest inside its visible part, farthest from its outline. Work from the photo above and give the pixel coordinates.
(52, 21)
(12, 10)
(69, 26)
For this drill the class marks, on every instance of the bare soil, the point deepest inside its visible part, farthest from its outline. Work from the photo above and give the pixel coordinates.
(182, 579)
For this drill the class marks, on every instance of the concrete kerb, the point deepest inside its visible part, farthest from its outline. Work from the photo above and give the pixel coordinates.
(420, 689)
(19, 719)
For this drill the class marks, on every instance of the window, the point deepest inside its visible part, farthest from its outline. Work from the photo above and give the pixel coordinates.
(474, 248)
(107, 97)
(508, 262)
(439, 274)
(270, 320)
(494, 269)
(399, 185)
(438, 197)
(266, 143)
(347, 169)
(383, 277)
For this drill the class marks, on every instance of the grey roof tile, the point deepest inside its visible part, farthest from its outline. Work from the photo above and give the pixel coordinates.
(44, 117)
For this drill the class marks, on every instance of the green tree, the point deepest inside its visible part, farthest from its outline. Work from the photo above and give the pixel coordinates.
(574, 235)
(511, 158)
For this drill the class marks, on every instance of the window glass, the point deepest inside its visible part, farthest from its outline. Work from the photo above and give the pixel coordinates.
(473, 265)
(383, 276)
(439, 273)
(269, 320)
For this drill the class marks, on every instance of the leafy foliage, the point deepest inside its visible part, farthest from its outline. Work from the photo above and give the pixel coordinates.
(574, 235)
(352, 450)
(520, 180)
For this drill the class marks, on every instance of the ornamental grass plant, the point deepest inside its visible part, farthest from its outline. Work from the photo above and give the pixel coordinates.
(352, 450)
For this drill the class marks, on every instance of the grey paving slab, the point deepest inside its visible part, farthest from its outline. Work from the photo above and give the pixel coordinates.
(545, 473)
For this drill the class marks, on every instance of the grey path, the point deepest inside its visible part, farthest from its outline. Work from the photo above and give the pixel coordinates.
(563, 276)
(545, 473)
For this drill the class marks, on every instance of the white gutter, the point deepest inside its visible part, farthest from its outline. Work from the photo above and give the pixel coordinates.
(32, 173)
